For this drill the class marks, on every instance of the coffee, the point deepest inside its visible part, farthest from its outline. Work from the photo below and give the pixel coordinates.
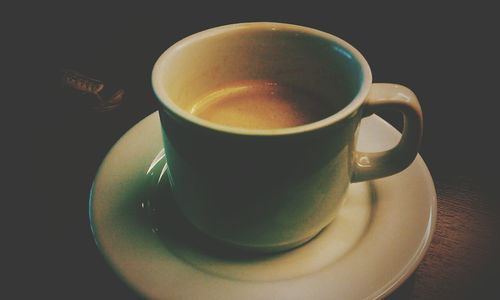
(260, 104)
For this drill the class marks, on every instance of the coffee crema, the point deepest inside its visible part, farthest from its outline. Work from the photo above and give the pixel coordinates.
(259, 104)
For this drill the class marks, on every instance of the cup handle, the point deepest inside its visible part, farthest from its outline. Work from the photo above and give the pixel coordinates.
(368, 166)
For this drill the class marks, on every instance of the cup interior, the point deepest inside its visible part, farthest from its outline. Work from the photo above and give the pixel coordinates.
(306, 59)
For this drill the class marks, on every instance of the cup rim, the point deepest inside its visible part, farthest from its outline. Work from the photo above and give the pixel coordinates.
(345, 112)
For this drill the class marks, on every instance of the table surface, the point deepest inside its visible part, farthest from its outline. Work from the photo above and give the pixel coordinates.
(421, 50)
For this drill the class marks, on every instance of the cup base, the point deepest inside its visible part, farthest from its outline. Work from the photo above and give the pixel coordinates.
(168, 215)
(272, 248)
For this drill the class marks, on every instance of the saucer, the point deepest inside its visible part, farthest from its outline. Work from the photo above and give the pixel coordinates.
(376, 241)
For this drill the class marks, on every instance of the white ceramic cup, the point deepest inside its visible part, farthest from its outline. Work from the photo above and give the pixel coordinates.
(270, 190)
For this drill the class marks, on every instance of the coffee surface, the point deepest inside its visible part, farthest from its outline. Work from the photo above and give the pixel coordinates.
(260, 105)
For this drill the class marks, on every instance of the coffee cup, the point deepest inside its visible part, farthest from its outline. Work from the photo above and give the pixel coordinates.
(268, 175)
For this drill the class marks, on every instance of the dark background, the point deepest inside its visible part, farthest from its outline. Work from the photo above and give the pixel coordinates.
(445, 53)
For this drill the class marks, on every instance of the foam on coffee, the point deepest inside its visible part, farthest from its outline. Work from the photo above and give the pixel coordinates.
(260, 104)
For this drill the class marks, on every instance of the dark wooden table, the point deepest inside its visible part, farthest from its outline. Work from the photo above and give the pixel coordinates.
(441, 54)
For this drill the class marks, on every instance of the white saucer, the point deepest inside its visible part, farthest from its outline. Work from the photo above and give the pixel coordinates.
(377, 240)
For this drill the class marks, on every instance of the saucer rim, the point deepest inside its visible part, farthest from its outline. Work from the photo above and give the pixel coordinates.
(391, 285)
